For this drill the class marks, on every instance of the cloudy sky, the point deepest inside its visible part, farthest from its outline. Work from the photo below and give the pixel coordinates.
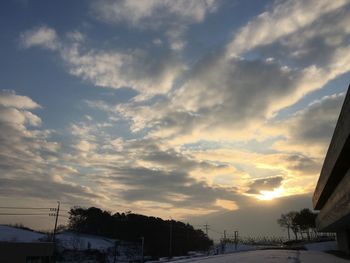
(201, 110)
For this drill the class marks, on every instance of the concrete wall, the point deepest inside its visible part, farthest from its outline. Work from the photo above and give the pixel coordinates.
(343, 239)
(332, 193)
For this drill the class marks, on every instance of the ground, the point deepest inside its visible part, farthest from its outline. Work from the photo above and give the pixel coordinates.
(244, 253)
(272, 256)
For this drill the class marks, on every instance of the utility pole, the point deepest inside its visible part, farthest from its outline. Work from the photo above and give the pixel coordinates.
(223, 246)
(57, 210)
(115, 251)
(171, 239)
(55, 228)
(236, 239)
(142, 248)
(206, 226)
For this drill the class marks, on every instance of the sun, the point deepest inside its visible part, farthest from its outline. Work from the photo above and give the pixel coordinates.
(270, 195)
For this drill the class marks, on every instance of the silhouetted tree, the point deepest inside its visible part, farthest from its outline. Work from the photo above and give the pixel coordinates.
(131, 227)
(287, 221)
(305, 219)
(284, 222)
(301, 221)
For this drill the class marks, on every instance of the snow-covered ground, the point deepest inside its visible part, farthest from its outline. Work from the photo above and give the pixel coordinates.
(322, 246)
(243, 253)
(70, 240)
(67, 240)
(12, 234)
(270, 256)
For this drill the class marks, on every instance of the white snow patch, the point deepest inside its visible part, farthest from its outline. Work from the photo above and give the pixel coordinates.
(322, 246)
(230, 248)
(67, 239)
(71, 240)
(12, 234)
(273, 256)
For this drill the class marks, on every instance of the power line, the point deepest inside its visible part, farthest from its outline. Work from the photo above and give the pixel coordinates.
(23, 214)
(18, 207)
(217, 232)
(32, 208)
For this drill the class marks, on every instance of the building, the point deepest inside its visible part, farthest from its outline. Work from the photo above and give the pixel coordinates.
(332, 193)
(28, 252)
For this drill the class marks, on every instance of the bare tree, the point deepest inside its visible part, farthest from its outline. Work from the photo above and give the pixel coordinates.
(288, 221)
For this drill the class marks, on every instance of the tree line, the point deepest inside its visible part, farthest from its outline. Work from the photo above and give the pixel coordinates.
(161, 237)
(299, 222)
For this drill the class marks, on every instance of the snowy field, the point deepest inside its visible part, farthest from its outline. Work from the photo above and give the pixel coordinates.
(244, 253)
(11, 234)
(67, 239)
(271, 256)
(322, 246)
(71, 240)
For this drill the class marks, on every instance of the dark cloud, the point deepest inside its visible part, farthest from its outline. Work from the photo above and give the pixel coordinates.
(150, 150)
(169, 177)
(165, 186)
(303, 164)
(265, 184)
(316, 123)
(44, 188)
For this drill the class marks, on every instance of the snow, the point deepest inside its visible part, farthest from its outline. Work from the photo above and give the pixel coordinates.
(70, 240)
(229, 248)
(271, 256)
(244, 253)
(322, 246)
(12, 234)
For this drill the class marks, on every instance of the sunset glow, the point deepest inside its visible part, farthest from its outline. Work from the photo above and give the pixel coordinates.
(270, 195)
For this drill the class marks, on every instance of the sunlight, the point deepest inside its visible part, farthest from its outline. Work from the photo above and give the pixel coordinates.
(270, 195)
(227, 204)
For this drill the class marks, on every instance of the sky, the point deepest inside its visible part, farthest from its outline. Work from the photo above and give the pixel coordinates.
(206, 111)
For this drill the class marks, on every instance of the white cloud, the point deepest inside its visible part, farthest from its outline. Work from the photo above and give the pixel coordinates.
(219, 98)
(9, 98)
(287, 17)
(138, 172)
(75, 36)
(42, 36)
(172, 16)
(147, 73)
(85, 146)
(157, 42)
(154, 13)
(30, 162)
(14, 110)
(222, 95)
(136, 69)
